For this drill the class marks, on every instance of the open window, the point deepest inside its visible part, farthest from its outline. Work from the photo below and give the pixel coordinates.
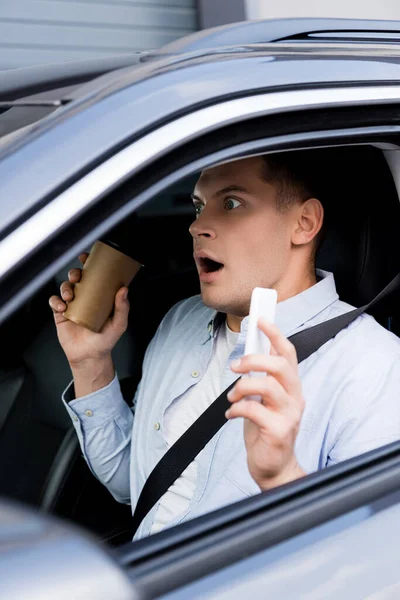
(42, 464)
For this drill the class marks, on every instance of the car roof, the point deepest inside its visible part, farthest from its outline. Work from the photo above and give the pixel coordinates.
(277, 30)
(99, 108)
(44, 80)
(29, 94)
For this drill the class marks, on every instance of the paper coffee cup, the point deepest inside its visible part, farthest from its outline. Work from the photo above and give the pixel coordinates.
(105, 271)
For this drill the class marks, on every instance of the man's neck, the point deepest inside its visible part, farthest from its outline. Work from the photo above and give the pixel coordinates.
(284, 292)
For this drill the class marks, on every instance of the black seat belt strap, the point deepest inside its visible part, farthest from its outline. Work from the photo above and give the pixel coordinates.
(188, 446)
(309, 340)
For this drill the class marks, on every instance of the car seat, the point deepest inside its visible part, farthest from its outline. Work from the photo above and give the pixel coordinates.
(363, 217)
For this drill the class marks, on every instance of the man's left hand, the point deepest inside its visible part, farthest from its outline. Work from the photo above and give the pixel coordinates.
(270, 426)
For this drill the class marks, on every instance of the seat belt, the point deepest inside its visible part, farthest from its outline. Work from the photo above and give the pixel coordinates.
(188, 446)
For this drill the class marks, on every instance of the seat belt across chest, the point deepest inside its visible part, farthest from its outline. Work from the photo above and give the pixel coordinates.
(188, 446)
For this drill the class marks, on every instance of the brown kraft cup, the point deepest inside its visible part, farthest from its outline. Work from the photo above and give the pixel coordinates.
(105, 271)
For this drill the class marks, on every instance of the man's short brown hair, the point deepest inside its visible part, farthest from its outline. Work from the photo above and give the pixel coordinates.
(298, 176)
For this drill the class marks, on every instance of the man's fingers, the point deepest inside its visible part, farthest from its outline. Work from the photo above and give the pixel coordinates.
(273, 394)
(66, 291)
(277, 366)
(278, 428)
(74, 275)
(56, 304)
(280, 343)
(83, 257)
(254, 411)
(58, 307)
(119, 320)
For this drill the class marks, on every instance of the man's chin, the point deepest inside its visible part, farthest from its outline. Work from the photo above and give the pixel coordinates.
(212, 299)
(206, 298)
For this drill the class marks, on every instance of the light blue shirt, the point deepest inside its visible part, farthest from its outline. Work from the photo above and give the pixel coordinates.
(351, 387)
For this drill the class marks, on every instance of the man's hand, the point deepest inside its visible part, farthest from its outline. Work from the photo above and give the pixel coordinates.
(88, 353)
(270, 426)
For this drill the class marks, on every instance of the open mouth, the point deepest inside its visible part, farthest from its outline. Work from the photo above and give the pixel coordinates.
(210, 266)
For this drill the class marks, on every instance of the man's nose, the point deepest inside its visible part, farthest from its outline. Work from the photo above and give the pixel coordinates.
(202, 228)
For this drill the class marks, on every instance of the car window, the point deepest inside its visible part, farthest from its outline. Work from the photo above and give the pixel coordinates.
(37, 371)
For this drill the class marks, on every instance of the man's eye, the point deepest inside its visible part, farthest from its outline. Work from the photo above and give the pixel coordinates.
(198, 208)
(231, 203)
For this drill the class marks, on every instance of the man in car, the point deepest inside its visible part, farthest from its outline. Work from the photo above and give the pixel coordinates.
(258, 223)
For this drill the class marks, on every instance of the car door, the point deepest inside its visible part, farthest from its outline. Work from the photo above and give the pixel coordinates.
(333, 534)
(71, 216)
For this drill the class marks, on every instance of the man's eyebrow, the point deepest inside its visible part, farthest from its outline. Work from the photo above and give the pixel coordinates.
(226, 190)
(194, 197)
(231, 188)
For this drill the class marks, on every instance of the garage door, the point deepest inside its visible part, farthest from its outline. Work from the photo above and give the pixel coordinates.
(34, 32)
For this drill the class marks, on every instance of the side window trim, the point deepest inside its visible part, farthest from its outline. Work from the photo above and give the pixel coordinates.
(81, 195)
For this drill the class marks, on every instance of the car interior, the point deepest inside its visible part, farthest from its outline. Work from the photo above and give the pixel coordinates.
(42, 464)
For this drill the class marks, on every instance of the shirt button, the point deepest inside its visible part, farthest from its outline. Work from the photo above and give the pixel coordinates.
(195, 374)
(88, 413)
(210, 327)
(157, 426)
(75, 418)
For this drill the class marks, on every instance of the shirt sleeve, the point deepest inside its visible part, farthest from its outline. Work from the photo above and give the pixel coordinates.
(103, 423)
(371, 406)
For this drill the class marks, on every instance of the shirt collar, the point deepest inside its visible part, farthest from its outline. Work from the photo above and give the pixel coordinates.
(217, 318)
(294, 312)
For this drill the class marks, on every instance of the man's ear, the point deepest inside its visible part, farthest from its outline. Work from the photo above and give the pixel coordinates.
(309, 218)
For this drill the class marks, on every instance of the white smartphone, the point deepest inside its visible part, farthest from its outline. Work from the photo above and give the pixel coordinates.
(263, 304)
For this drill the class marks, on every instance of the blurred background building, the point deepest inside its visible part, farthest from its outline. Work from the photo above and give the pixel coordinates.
(36, 32)
(346, 9)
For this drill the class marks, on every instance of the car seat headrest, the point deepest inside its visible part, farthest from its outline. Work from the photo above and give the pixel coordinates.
(362, 222)
(361, 215)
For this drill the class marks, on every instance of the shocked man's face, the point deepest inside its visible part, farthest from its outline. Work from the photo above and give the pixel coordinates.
(240, 239)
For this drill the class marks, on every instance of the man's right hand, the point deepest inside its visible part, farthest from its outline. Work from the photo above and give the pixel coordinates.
(88, 353)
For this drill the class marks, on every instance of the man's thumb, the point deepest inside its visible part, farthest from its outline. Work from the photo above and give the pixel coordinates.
(121, 309)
